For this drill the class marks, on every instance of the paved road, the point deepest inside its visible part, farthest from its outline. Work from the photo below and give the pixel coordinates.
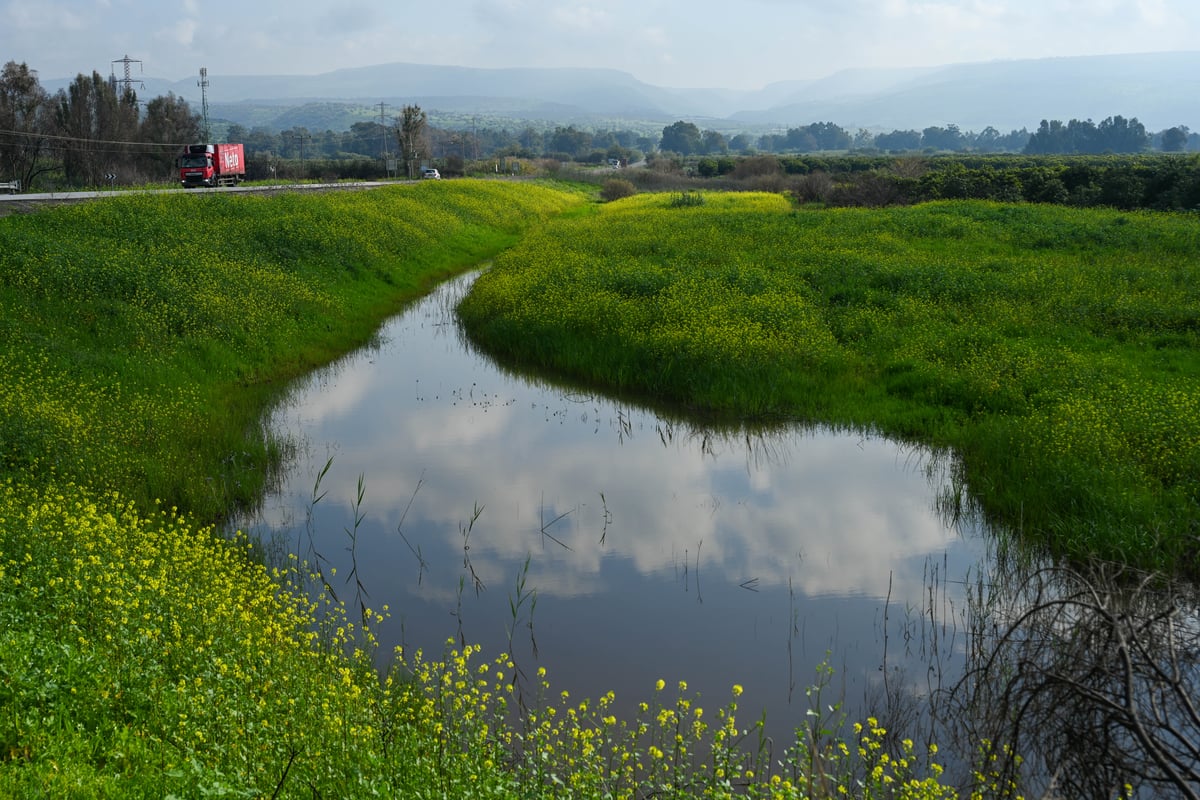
(10, 203)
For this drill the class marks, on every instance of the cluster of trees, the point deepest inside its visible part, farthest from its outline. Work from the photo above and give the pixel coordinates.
(88, 130)
(1127, 182)
(949, 139)
(1113, 135)
(372, 139)
(684, 138)
(96, 127)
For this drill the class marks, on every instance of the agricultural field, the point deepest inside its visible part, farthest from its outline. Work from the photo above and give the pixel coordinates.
(1055, 350)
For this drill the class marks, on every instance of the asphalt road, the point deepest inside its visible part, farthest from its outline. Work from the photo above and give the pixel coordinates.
(31, 201)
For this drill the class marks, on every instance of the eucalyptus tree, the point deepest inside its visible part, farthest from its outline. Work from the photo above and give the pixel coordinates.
(169, 123)
(97, 128)
(24, 122)
(413, 137)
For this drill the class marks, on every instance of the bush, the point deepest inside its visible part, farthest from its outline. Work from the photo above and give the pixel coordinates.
(615, 189)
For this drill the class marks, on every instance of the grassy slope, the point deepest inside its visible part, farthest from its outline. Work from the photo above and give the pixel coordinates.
(145, 335)
(1054, 349)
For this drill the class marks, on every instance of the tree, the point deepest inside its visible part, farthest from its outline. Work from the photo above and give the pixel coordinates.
(829, 136)
(713, 143)
(412, 135)
(1174, 140)
(863, 139)
(569, 141)
(169, 123)
(741, 143)
(367, 138)
(938, 138)
(1050, 138)
(1120, 135)
(800, 140)
(235, 133)
(531, 140)
(24, 109)
(899, 141)
(681, 137)
(97, 127)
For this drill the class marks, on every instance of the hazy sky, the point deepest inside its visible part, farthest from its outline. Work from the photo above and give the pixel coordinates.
(689, 43)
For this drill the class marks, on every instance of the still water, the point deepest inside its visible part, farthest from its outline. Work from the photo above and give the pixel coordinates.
(648, 547)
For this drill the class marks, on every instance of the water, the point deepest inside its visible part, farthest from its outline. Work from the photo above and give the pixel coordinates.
(654, 548)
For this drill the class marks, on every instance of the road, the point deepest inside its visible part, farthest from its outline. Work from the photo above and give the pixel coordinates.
(20, 203)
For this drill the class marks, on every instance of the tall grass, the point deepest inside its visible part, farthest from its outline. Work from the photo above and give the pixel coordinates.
(1056, 349)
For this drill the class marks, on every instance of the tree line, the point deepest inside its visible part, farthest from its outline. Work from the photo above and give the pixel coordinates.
(96, 128)
(1164, 182)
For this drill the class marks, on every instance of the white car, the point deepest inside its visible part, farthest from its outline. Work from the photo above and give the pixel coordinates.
(431, 174)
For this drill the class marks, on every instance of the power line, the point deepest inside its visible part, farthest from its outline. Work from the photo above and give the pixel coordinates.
(35, 135)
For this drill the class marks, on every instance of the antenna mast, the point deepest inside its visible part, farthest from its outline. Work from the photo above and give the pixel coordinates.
(203, 84)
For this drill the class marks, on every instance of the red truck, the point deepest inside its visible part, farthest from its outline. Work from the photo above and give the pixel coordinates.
(211, 165)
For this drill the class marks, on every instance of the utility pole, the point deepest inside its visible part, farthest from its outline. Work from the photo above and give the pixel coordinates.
(301, 138)
(383, 148)
(203, 84)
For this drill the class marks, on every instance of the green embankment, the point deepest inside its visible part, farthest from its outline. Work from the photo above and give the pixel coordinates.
(145, 335)
(141, 655)
(1056, 350)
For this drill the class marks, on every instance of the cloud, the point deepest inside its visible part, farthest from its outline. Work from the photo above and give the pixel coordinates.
(181, 33)
(36, 19)
(665, 42)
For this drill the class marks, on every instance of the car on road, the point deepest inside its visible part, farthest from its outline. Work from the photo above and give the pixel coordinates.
(431, 174)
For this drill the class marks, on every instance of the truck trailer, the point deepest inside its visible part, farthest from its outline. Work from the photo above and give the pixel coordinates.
(211, 165)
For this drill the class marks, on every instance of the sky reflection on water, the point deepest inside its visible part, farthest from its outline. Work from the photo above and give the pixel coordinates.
(655, 550)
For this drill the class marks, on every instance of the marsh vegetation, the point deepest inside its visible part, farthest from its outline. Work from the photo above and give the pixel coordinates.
(145, 654)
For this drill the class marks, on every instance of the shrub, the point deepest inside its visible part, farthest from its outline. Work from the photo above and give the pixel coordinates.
(615, 189)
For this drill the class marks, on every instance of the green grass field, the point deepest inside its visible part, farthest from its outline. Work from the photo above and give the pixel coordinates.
(1054, 349)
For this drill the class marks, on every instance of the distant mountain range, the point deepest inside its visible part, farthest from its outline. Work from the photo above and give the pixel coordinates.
(1160, 89)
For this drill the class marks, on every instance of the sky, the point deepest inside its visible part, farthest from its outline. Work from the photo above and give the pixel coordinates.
(736, 44)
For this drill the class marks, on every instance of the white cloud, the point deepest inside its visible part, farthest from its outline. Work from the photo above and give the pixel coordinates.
(182, 33)
(667, 42)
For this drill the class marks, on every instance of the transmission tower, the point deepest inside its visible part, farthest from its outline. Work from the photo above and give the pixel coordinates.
(203, 84)
(127, 82)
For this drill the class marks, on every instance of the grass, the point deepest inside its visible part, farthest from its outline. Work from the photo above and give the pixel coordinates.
(1055, 350)
(143, 654)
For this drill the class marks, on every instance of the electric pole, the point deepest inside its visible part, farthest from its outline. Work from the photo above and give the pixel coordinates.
(127, 82)
(383, 147)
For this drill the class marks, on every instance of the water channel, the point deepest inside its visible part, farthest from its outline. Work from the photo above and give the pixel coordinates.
(655, 548)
